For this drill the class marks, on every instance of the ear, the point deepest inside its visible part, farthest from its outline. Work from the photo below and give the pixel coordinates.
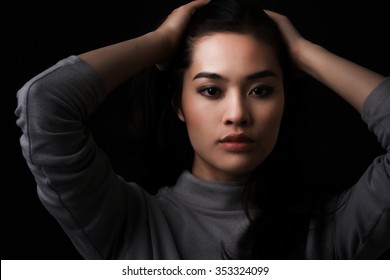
(180, 115)
(178, 111)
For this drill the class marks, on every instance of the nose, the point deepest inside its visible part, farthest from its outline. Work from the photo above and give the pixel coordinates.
(237, 110)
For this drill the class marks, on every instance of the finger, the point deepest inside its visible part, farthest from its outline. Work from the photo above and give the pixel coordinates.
(194, 5)
(272, 14)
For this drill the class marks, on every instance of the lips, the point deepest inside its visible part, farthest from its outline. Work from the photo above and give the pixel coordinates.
(237, 143)
(239, 138)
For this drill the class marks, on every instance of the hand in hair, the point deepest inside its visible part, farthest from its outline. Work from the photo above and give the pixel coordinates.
(174, 25)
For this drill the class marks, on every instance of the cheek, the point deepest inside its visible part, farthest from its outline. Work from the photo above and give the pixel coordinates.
(274, 115)
(268, 119)
(197, 115)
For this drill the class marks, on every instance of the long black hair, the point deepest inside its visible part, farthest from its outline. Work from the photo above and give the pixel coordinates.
(286, 201)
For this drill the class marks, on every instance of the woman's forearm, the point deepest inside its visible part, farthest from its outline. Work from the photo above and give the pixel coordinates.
(116, 63)
(348, 79)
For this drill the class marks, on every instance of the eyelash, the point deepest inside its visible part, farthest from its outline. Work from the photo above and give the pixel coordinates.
(206, 91)
(266, 91)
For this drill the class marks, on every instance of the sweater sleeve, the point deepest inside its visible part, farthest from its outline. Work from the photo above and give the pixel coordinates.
(362, 221)
(74, 177)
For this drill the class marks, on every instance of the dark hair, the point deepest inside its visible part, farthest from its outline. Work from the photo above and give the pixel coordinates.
(286, 202)
(244, 17)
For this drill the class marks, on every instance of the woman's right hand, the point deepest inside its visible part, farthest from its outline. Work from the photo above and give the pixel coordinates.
(173, 27)
(117, 62)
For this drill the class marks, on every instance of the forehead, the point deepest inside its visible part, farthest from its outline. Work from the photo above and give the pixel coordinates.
(232, 52)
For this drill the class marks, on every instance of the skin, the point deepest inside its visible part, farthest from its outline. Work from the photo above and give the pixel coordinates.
(116, 63)
(230, 102)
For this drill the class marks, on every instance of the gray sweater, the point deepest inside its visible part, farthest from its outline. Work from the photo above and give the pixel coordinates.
(109, 218)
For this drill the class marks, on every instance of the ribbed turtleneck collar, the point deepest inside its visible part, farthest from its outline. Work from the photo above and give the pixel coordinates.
(213, 195)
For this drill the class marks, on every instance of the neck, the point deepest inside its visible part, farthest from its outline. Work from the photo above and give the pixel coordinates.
(216, 175)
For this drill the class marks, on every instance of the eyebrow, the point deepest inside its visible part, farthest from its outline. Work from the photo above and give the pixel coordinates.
(251, 77)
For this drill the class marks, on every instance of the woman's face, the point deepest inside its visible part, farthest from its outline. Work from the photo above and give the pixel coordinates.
(232, 104)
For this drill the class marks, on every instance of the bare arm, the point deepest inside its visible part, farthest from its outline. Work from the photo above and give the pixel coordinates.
(118, 62)
(350, 80)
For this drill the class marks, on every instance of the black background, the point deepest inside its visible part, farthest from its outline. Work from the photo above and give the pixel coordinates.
(36, 37)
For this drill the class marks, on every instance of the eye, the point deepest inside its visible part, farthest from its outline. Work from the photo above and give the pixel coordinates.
(262, 91)
(210, 91)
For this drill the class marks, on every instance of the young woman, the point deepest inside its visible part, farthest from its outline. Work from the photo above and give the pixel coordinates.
(229, 67)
